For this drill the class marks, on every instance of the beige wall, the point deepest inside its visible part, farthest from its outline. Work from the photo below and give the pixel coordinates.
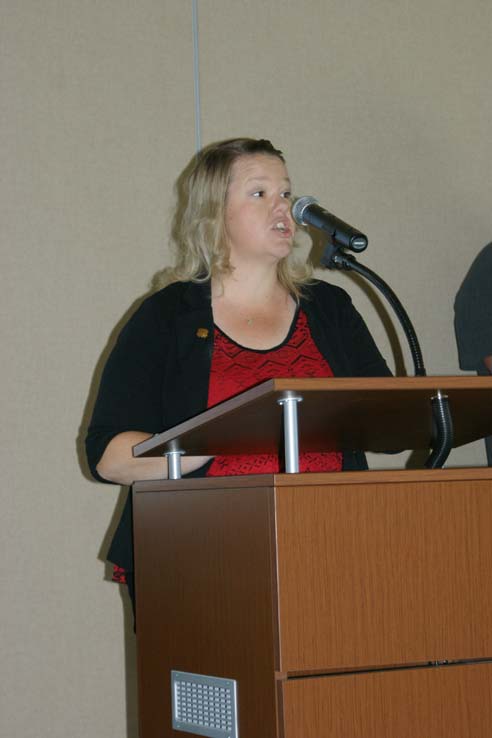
(383, 110)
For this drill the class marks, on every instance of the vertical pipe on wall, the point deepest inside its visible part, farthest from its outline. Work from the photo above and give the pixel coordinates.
(196, 75)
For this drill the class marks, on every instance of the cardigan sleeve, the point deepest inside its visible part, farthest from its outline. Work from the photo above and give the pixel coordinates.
(365, 357)
(341, 333)
(130, 391)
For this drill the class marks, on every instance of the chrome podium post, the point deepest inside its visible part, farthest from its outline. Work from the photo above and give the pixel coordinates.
(173, 456)
(291, 432)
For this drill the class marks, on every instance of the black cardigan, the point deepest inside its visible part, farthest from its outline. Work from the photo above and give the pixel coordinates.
(158, 372)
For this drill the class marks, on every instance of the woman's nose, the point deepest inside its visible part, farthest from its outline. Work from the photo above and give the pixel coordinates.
(282, 204)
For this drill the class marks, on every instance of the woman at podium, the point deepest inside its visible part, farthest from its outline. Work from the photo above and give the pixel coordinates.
(241, 308)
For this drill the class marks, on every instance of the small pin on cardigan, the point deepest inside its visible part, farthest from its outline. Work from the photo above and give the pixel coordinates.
(202, 332)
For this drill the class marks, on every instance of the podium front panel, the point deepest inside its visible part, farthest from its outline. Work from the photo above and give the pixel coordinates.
(384, 574)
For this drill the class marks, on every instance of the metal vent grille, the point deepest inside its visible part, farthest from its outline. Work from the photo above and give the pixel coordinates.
(204, 705)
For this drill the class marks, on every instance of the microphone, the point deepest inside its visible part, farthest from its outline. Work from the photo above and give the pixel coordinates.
(307, 211)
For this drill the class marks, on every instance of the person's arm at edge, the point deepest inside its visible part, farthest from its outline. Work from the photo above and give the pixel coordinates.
(118, 465)
(487, 360)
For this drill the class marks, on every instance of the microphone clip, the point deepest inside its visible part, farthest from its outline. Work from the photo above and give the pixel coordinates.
(335, 258)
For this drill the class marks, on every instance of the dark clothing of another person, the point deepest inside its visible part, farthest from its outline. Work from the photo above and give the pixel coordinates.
(158, 372)
(473, 319)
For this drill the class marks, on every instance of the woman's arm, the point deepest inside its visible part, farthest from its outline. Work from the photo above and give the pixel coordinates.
(118, 465)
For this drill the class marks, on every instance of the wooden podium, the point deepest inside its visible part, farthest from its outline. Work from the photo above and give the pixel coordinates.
(348, 605)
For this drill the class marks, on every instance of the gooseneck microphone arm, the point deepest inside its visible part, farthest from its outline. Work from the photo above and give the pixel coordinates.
(442, 432)
(340, 260)
(307, 211)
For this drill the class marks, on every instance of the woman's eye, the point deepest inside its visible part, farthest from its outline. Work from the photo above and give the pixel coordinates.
(287, 194)
(258, 193)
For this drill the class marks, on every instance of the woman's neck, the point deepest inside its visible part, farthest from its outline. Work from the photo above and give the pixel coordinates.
(255, 313)
(249, 286)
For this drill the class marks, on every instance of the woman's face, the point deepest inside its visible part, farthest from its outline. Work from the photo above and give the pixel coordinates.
(258, 223)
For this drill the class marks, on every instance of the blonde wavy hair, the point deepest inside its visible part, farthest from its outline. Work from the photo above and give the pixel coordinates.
(198, 229)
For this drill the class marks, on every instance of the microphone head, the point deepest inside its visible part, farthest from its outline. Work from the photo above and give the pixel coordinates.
(299, 206)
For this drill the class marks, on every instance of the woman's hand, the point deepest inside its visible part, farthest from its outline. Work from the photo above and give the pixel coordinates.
(118, 465)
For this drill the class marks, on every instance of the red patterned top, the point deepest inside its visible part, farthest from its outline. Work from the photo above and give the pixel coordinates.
(236, 368)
